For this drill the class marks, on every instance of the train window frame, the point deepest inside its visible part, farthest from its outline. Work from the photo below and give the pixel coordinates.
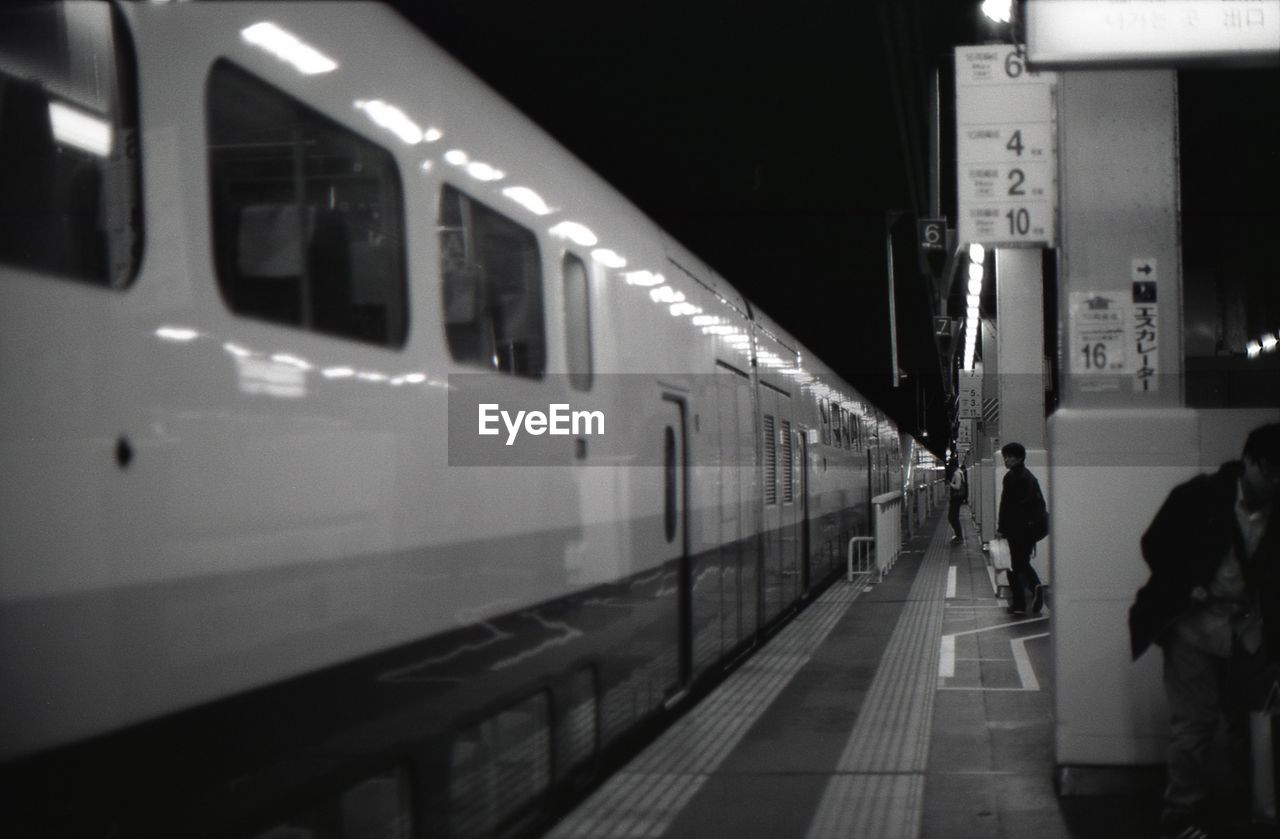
(576, 720)
(770, 439)
(788, 462)
(576, 284)
(314, 242)
(336, 815)
(74, 171)
(488, 753)
(472, 290)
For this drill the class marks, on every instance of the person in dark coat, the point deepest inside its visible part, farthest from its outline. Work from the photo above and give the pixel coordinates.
(956, 491)
(1213, 604)
(1021, 521)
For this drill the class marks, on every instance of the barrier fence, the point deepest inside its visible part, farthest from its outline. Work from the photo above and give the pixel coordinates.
(885, 545)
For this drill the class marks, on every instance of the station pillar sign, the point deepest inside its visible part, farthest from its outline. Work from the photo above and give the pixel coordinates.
(1006, 158)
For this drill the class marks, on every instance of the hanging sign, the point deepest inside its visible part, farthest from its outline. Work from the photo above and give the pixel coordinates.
(1006, 163)
(1152, 33)
(970, 395)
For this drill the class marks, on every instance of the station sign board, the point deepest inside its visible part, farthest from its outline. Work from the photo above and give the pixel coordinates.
(933, 234)
(1006, 151)
(1152, 33)
(969, 392)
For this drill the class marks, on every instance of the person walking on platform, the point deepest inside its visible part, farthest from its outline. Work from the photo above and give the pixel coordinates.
(1023, 521)
(1213, 604)
(956, 499)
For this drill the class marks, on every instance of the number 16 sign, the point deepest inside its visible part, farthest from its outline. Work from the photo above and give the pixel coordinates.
(1098, 327)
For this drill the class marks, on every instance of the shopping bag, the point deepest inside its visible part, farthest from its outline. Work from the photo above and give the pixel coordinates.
(1000, 557)
(1264, 746)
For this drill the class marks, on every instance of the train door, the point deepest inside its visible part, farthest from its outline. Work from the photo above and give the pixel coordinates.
(771, 527)
(790, 504)
(677, 575)
(739, 557)
(802, 465)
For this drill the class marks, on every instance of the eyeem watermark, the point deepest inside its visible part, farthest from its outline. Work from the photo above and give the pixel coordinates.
(557, 421)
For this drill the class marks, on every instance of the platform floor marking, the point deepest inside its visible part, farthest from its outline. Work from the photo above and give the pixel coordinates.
(1007, 624)
(1022, 661)
(947, 657)
(645, 797)
(877, 789)
(1026, 673)
(951, 583)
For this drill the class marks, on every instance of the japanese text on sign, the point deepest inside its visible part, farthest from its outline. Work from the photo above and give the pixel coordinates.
(1171, 33)
(970, 395)
(1098, 329)
(1146, 345)
(1006, 162)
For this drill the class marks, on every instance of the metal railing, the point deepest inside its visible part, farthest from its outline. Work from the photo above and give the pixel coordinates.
(886, 543)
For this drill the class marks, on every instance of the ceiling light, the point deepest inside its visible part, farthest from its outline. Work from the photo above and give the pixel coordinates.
(579, 234)
(288, 48)
(608, 258)
(391, 118)
(528, 199)
(73, 127)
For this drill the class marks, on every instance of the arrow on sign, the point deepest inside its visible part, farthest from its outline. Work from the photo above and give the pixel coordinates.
(1144, 269)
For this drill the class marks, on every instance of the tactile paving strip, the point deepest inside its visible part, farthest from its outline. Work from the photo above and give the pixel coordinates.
(878, 789)
(644, 798)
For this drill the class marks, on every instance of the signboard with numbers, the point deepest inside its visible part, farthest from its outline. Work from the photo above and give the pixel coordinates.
(1006, 162)
(1099, 326)
(1152, 33)
(933, 234)
(969, 396)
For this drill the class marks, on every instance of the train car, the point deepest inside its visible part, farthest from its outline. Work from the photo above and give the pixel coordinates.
(275, 559)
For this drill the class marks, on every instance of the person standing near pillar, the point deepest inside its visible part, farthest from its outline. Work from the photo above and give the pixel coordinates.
(957, 498)
(1023, 520)
(1212, 603)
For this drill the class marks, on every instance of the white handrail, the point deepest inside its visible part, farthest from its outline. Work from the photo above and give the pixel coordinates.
(868, 542)
(886, 543)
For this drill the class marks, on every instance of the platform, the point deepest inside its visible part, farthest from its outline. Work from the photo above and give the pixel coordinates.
(915, 706)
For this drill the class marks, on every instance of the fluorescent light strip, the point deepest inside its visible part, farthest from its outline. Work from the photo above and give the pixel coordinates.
(73, 127)
(289, 48)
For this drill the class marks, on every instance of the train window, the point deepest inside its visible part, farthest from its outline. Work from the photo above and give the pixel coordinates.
(770, 461)
(375, 808)
(837, 439)
(499, 766)
(577, 322)
(578, 734)
(492, 288)
(826, 421)
(70, 193)
(788, 468)
(308, 217)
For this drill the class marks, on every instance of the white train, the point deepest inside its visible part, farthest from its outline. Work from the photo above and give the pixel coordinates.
(260, 573)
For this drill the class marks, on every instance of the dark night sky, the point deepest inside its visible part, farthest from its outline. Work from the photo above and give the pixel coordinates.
(778, 141)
